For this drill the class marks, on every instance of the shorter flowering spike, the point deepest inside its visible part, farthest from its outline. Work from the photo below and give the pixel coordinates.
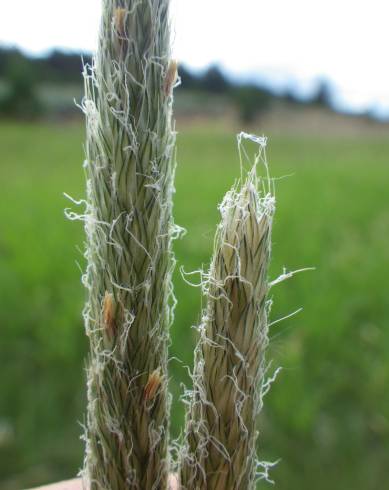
(220, 441)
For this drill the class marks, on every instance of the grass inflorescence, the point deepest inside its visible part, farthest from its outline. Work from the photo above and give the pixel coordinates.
(129, 226)
(220, 447)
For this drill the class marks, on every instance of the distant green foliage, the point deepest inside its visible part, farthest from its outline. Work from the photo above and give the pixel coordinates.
(57, 66)
(19, 97)
(252, 102)
(52, 83)
(324, 94)
(213, 80)
(62, 67)
(326, 417)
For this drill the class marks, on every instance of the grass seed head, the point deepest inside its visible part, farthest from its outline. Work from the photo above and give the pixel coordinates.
(220, 442)
(129, 226)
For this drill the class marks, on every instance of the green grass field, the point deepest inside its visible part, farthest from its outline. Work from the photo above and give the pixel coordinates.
(327, 416)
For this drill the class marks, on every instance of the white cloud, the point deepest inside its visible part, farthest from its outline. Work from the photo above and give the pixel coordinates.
(40, 24)
(345, 40)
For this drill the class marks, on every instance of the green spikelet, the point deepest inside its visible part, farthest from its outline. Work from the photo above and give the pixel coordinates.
(129, 168)
(221, 434)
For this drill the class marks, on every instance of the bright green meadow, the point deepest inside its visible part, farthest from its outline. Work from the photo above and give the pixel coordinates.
(327, 415)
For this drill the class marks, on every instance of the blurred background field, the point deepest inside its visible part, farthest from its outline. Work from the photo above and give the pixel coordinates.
(327, 415)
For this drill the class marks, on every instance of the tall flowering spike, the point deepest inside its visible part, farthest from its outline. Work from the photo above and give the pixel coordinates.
(129, 168)
(220, 440)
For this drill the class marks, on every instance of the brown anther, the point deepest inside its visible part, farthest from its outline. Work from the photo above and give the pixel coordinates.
(170, 77)
(120, 18)
(109, 313)
(152, 385)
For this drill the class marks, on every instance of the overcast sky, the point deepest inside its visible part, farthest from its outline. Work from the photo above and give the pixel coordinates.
(284, 40)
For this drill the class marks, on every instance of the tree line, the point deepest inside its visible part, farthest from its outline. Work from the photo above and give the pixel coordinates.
(20, 75)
